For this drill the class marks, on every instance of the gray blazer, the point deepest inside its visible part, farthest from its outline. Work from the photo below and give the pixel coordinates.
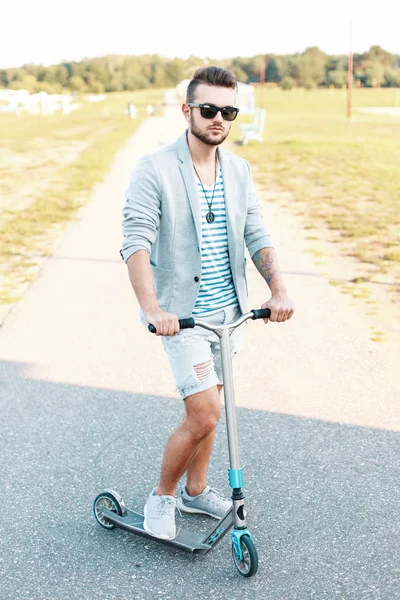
(162, 215)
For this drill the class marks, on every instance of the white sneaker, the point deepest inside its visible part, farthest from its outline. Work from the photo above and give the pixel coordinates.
(159, 516)
(209, 502)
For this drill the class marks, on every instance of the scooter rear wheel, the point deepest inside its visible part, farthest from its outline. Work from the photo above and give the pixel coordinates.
(249, 564)
(110, 501)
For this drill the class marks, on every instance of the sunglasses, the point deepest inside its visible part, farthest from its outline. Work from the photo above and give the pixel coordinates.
(210, 111)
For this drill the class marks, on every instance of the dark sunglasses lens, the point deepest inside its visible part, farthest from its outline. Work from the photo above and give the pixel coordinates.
(208, 112)
(229, 113)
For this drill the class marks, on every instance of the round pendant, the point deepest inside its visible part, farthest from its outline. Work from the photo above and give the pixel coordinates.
(210, 217)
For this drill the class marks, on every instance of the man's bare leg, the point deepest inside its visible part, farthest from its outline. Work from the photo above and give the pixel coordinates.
(202, 413)
(196, 477)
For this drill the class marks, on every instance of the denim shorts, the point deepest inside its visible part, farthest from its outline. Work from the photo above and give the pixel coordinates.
(195, 354)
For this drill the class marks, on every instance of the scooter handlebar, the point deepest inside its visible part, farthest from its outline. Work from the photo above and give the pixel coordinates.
(183, 324)
(261, 313)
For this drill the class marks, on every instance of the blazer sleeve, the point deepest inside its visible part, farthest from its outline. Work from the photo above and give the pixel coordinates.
(255, 234)
(142, 209)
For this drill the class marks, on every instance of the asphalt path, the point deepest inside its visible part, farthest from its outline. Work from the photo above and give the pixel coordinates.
(87, 402)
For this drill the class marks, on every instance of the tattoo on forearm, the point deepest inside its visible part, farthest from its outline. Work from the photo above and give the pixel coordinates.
(264, 261)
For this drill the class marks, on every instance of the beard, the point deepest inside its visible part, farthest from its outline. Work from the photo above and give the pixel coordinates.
(207, 138)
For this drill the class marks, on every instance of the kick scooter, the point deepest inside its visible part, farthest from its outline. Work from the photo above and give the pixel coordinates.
(109, 507)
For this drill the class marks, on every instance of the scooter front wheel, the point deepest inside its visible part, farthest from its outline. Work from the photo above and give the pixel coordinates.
(249, 564)
(112, 502)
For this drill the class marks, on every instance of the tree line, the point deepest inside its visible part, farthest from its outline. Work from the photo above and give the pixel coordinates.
(312, 68)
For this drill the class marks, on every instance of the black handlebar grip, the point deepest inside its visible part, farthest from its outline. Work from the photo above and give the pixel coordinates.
(261, 313)
(183, 324)
(186, 323)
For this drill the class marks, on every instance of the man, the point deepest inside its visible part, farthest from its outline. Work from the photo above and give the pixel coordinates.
(190, 208)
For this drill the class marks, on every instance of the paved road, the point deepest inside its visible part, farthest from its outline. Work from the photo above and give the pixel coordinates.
(87, 402)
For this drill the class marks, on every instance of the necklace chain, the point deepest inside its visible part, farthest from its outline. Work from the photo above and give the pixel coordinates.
(210, 217)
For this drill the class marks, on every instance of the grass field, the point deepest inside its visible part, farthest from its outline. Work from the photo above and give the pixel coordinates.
(48, 167)
(343, 176)
(340, 176)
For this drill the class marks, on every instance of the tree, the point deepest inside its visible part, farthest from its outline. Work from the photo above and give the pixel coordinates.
(241, 69)
(17, 74)
(287, 83)
(378, 55)
(28, 82)
(272, 70)
(276, 68)
(337, 78)
(174, 71)
(50, 88)
(5, 78)
(96, 87)
(62, 75)
(391, 77)
(76, 84)
(375, 75)
(312, 67)
(133, 79)
(294, 64)
(159, 76)
(115, 72)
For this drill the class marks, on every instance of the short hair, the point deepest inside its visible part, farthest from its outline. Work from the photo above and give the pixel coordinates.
(210, 76)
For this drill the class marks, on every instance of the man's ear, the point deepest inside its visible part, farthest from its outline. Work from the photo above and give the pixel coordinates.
(186, 111)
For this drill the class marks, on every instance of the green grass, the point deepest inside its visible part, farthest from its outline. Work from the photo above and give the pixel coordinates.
(343, 174)
(28, 231)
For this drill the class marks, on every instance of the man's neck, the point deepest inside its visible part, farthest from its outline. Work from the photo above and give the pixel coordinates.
(202, 154)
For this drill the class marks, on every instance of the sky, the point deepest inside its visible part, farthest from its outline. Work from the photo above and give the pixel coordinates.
(48, 32)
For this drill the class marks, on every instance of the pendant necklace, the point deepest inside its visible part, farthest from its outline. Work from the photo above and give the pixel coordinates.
(210, 217)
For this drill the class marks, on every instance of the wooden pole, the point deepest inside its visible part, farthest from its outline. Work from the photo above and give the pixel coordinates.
(350, 75)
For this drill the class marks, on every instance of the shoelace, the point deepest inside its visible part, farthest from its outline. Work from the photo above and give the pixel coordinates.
(167, 506)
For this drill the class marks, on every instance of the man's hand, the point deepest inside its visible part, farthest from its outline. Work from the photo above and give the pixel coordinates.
(281, 307)
(164, 322)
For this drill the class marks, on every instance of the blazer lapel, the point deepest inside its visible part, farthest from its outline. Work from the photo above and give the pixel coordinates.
(190, 182)
(230, 203)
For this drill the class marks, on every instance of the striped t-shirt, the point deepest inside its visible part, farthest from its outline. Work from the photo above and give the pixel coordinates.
(216, 288)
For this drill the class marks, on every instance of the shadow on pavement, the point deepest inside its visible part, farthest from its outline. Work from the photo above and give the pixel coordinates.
(322, 500)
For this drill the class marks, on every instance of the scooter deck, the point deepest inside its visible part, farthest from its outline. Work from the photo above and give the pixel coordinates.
(186, 540)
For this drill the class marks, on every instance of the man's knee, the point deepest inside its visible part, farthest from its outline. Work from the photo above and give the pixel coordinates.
(203, 411)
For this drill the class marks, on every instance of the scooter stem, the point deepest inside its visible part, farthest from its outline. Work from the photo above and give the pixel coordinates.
(235, 472)
(229, 395)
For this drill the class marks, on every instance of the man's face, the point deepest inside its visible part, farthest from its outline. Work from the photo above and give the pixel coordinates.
(211, 131)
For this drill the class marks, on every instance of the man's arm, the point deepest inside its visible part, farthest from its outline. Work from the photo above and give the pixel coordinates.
(142, 209)
(142, 212)
(265, 258)
(139, 270)
(281, 306)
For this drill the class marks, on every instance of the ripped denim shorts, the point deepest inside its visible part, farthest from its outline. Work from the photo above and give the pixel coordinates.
(195, 354)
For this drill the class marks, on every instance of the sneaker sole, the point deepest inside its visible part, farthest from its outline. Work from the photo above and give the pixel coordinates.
(182, 507)
(152, 533)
